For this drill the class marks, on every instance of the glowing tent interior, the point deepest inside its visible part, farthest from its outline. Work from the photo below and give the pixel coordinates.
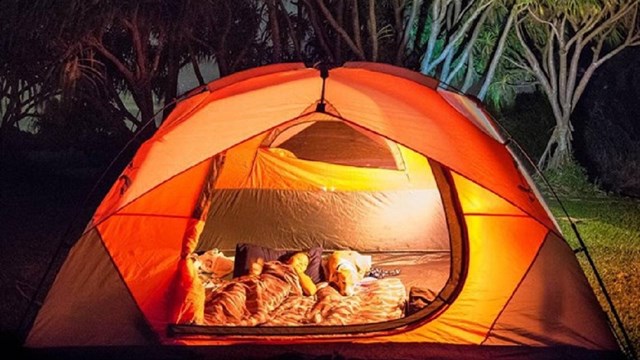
(365, 156)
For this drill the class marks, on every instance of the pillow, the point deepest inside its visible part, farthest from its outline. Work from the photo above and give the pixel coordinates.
(248, 253)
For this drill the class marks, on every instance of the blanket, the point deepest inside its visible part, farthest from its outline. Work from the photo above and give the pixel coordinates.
(277, 301)
(249, 300)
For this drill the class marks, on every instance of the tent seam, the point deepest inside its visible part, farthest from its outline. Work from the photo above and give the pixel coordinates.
(515, 290)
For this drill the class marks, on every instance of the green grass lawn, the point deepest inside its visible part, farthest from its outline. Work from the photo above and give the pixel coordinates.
(610, 229)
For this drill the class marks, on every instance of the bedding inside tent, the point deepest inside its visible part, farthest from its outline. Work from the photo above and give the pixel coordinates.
(322, 182)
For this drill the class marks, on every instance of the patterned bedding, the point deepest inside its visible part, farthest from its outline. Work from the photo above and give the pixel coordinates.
(373, 301)
(275, 299)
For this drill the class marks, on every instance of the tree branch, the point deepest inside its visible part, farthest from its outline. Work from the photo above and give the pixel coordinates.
(332, 21)
(137, 40)
(534, 65)
(462, 60)
(406, 30)
(373, 30)
(292, 33)
(356, 25)
(611, 21)
(596, 64)
(318, 31)
(275, 31)
(122, 68)
(497, 54)
(453, 40)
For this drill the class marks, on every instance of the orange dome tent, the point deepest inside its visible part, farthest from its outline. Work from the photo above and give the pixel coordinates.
(365, 156)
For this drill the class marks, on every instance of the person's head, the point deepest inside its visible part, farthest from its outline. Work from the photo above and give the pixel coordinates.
(299, 261)
(256, 266)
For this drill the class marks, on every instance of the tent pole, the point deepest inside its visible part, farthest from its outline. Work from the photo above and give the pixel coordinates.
(324, 74)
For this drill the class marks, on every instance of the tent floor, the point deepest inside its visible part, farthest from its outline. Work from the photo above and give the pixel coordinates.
(386, 351)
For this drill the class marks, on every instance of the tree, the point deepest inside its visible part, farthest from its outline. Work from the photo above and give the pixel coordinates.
(137, 49)
(110, 52)
(346, 30)
(450, 24)
(232, 33)
(123, 47)
(27, 78)
(462, 43)
(562, 43)
(21, 97)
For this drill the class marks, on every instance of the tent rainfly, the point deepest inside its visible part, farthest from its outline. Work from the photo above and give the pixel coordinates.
(365, 156)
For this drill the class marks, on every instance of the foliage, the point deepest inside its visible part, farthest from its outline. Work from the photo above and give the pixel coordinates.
(378, 31)
(462, 44)
(459, 41)
(114, 49)
(572, 181)
(27, 78)
(507, 86)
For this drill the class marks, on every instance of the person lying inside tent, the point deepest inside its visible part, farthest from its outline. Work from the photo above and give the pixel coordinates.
(300, 262)
(249, 300)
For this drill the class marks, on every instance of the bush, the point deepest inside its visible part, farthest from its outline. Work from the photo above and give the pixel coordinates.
(571, 181)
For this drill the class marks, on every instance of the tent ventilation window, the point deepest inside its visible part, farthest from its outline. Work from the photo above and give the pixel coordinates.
(338, 143)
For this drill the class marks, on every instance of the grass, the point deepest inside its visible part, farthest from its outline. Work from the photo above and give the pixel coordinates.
(609, 227)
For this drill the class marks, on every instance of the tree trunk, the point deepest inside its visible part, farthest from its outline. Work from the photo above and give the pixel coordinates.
(340, 18)
(171, 89)
(559, 151)
(144, 101)
(275, 31)
(497, 54)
